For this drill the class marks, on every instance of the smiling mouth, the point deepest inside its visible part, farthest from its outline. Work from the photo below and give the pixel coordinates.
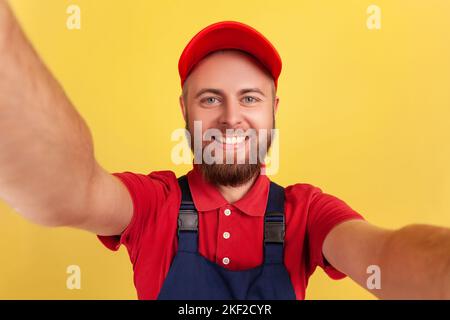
(231, 141)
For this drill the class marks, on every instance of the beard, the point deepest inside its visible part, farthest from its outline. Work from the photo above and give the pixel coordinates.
(234, 174)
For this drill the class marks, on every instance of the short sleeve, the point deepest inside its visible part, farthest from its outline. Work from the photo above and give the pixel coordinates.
(147, 193)
(325, 212)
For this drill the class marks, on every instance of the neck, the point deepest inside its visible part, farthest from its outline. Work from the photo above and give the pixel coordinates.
(233, 194)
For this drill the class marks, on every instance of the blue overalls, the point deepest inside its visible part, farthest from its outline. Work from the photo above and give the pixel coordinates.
(193, 277)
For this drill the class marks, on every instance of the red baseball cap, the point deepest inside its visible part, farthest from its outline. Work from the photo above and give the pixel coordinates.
(229, 35)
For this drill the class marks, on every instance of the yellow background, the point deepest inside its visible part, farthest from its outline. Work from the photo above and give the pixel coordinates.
(364, 114)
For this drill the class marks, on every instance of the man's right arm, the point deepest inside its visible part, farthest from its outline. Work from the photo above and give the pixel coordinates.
(48, 172)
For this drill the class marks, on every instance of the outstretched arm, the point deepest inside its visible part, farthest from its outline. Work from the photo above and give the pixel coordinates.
(414, 261)
(48, 171)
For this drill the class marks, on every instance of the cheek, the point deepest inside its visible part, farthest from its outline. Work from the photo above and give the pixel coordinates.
(204, 122)
(206, 117)
(260, 119)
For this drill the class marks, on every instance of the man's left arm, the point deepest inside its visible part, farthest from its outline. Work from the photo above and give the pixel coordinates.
(414, 261)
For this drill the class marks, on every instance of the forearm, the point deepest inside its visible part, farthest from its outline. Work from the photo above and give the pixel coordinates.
(45, 146)
(415, 263)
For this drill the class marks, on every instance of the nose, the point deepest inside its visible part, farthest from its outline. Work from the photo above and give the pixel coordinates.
(231, 114)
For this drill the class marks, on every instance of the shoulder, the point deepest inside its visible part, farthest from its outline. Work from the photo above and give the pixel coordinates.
(317, 203)
(164, 177)
(301, 192)
(162, 183)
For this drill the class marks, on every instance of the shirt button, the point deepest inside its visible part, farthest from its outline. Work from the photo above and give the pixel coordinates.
(226, 235)
(227, 212)
(226, 260)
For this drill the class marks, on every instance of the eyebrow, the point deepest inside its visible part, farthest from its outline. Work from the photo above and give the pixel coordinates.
(221, 92)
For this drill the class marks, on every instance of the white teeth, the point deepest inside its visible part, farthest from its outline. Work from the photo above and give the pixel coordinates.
(231, 140)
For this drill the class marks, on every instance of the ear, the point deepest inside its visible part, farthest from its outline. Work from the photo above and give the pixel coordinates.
(183, 107)
(275, 106)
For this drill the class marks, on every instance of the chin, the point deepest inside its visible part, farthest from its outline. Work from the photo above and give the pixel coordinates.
(230, 174)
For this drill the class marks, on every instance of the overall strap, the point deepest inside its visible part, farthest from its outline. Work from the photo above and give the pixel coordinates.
(187, 219)
(274, 225)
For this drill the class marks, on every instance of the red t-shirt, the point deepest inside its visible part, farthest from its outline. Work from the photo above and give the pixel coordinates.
(233, 231)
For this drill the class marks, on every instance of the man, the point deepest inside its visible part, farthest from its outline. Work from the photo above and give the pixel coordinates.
(223, 231)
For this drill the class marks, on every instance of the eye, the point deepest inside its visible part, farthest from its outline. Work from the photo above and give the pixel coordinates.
(209, 100)
(250, 99)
